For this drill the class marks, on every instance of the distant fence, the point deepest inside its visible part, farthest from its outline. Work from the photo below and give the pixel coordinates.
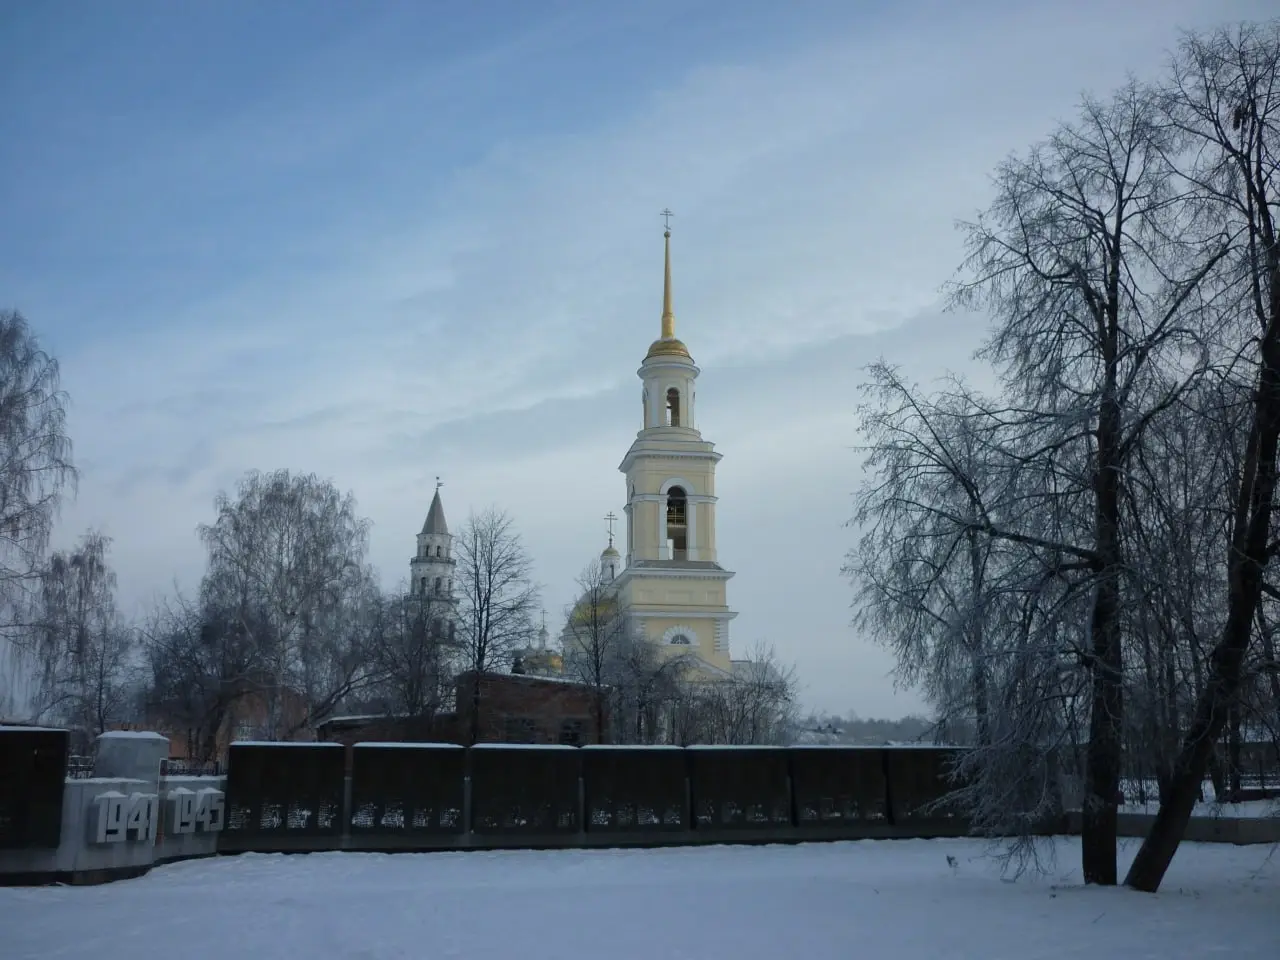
(193, 768)
(440, 796)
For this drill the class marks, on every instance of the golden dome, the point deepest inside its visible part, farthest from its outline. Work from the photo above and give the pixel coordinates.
(668, 347)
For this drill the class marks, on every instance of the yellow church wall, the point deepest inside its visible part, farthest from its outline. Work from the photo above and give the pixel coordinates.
(703, 630)
(682, 592)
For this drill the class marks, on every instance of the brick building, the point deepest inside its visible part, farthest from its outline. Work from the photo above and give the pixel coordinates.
(513, 708)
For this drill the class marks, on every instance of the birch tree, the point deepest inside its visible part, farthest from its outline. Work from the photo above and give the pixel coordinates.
(81, 647)
(287, 563)
(36, 472)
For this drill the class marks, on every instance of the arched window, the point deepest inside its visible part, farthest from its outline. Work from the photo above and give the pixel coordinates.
(439, 551)
(438, 582)
(448, 587)
(673, 407)
(423, 585)
(677, 518)
(681, 640)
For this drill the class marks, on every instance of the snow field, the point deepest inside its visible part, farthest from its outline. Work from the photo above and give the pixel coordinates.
(870, 900)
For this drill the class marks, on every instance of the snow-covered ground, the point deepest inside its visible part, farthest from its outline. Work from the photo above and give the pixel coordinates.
(871, 900)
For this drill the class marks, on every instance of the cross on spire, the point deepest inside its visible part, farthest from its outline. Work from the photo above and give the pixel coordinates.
(439, 483)
(666, 218)
(610, 518)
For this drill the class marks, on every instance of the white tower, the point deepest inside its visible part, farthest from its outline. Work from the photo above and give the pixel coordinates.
(431, 569)
(673, 584)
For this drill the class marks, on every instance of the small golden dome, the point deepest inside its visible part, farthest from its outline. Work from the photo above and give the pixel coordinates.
(668, 347)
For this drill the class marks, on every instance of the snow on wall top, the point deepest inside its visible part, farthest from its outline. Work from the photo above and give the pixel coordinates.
(732, 746)
(522, 746)
(629, 746)
(285, 743)
(396, 744)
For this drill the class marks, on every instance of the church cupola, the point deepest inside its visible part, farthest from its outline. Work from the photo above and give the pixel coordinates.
(610, 559)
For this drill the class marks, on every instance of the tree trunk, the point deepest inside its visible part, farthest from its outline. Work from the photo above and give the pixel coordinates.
(473, 721)
(1233, 751)
(1102, 761)
(599, 711)
(977, 646)
(1247, 560)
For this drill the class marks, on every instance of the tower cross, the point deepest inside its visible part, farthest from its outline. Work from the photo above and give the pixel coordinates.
(610, 518)
(439, 483)
(666, 218)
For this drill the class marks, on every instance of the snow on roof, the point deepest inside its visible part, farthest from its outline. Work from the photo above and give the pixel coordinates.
(24, 728)
(132, 735)
(359, 717)
(571, 681)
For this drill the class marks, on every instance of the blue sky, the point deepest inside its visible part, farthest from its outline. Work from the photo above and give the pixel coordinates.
(383, 241)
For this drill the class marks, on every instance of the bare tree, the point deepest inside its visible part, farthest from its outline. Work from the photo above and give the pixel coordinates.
(1000, 523)
(287, 565)
(647, 689)
(35, 471)
(596, 628)
(1224, 100)
(497, 595)
(757, 705)
(201, 662)
(411, 648)
(959, 571)
(81, 647)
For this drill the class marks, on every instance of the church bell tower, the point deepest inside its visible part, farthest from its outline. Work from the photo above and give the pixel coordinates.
(672, 583)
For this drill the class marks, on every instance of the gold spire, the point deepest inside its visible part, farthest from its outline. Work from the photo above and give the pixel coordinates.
(668, 316)
(667, 345)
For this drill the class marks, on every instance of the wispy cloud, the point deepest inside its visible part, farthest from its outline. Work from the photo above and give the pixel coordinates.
(382, 266)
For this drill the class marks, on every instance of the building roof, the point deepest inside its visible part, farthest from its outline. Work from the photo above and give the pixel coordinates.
(435, 517)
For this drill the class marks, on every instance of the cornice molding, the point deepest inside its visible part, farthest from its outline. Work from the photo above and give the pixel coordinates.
(665, 573)
(683, 613)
